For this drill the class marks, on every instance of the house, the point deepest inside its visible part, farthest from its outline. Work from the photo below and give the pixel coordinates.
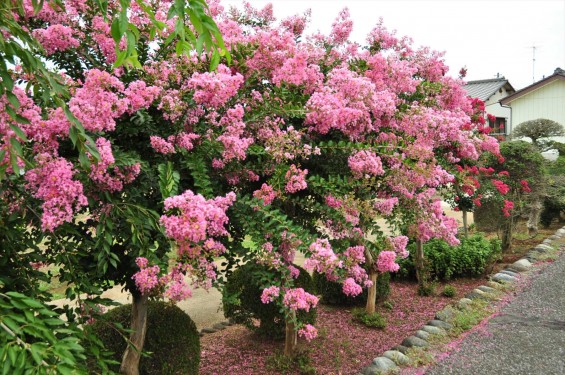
(542, 99)
(491, 91)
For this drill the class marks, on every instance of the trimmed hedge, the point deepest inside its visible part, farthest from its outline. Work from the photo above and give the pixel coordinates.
(470, 258)
(171, 338)
(241, 299)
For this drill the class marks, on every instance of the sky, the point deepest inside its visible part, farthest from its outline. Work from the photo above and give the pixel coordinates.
(489, 37)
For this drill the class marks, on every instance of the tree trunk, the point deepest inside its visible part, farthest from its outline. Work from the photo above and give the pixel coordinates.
(291, 337)
(507, 233)
(465, 225)
(421, 272)
(132, 355)
(534, 215)
(372, 294)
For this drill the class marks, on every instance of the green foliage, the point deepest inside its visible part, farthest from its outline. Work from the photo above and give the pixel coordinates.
(470, 258)
(554, 200)
(537, 130)
(332, 293)
(449, 291)
(34, 340)
(282, 364)
(242, 300)
(374, 320)
(171, 339)
(427, 289)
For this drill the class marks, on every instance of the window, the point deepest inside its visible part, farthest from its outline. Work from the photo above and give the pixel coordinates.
(498, 125)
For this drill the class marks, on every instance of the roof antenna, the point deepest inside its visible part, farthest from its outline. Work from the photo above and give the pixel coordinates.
(533, 63)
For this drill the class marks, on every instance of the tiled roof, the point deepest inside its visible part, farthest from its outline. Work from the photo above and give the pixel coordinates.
(484, 88)
(558, 74)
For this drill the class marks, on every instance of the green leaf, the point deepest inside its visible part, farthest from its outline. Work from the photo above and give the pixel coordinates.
(19, 132)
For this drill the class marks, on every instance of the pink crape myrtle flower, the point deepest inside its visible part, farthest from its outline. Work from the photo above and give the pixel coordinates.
(269, 294)
(399, 244)
(299, 299)
(323, 258)
(295, 179)
(56, 38)
(52, 182)
(386, 206)
(351, 288)
(309, 332)
(365, 164)
(147, 278)
(267, 194)
(214, 89)
(386, 262)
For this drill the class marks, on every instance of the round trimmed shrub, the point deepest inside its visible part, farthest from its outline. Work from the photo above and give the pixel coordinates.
(241, 299)
(445, 262)
(171, 338)
(332, 292)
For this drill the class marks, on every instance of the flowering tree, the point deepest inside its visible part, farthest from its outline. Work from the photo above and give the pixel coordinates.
(300, 145)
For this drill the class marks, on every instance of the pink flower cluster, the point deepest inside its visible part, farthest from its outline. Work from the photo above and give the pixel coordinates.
(270, 294)
(386, 262)
(365, 164)
(295, 179)
(99, 170)
(525, 187)
(299, 299)
(508, 206)
(399, 244)
(309, 332)
(97, 104)
(52, 181)
(322, 258)
(139, 95)
(351, 288)
(266, 194)
(501, 187)
(56, 38)
(214, 89)
(147, 278)
(197, 218)
(235, 145)
(341, 28)
(386, 206)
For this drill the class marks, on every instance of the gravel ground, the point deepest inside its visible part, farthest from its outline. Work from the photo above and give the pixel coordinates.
(528, 337)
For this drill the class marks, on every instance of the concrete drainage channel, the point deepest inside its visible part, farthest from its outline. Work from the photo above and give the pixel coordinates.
(391, 360)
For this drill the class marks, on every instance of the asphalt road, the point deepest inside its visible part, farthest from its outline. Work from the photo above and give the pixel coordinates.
(528, 337)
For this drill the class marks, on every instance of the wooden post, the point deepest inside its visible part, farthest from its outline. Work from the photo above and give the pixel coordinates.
(130, 360)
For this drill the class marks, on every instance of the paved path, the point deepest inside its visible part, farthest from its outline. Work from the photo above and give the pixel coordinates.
(527, 338)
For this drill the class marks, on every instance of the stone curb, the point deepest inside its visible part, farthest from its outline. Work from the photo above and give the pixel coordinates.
(216, 327)
(395, 357)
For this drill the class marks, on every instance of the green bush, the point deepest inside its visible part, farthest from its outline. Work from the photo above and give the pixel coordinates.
(241, 299)
(554, 201)
(171, 338)
(374, 320)
(332, 292)
(449, 291)
(470, 258)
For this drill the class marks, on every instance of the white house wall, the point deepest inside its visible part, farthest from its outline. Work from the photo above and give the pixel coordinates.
(493, 107)
(546, 102)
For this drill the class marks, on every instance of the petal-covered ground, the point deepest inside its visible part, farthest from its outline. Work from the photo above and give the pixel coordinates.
(342, 347)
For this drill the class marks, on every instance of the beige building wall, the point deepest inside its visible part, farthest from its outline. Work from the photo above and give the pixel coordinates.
(546, 102)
